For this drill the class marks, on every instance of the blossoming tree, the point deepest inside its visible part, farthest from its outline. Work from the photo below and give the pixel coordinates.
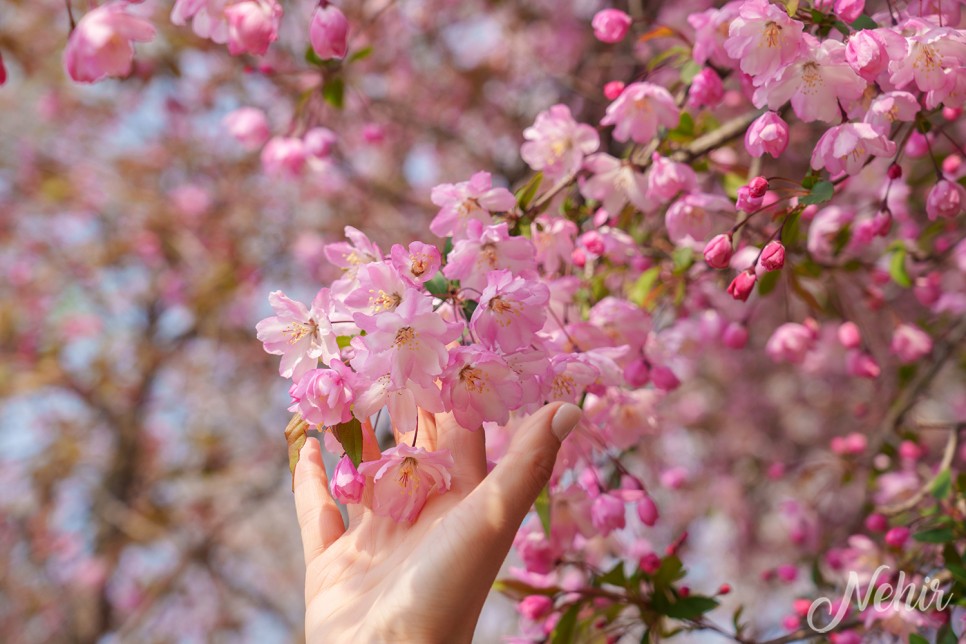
(732, 234)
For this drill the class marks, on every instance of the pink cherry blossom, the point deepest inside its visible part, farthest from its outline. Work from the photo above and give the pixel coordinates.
(479, 386)
(666, 179)
(868, 51)
(351, 255)
(328, 32)
(711, 32)
(379, 287)
(706, 89)
(814, 83)
(846, 148)
(639, 111)
(556, 144)
(417, 264)
(252, 26)
(763, 39)
(607, 514)
(488, 248)
(910, 343)
(692, 218)
(347, 484)
(946, 200)
(790, 343)
(324, 396)
(613, 183)
(299, 334)
(207, 17)
(101, 43)
(930, 52)
(554, 241)
(861, 365)
(534, 607)
(405, 477)
(569, 377)
(611, 25)
(767, 133)
(510, 311)
(249, 126)
(411, 339)
(889, 108)
(461, 202)
(284, 157)
(319, 142)
(403, 399)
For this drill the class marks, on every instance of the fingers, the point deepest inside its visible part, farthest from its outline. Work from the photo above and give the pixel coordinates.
(319, 518)
(498, 505)
(468, 449)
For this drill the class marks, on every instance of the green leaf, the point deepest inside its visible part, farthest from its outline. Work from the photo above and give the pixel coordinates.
(333, 91)
(469, 306)
(732, 182)
(689, 71)
(791, 6)
(684, 132)
(936, 535)
(542, 506)
(897, 268)
(615, 576)
(349, 435)
(957, 571)
(842, 27)
(295, 439)
(519, 589)
(946, 635)
(768, 282)
(683, 257)
(691, 607)
(942, 485)
(361, 54)
(669, 571)
(791, 228)
(820, 193)
(864, 22)
(529, 190)
(438, 285)
(566, 628)
(312, 58)
(917, 639)
(343, 341)
(643, 286)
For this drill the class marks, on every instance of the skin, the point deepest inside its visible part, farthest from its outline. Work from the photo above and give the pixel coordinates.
(381, 581)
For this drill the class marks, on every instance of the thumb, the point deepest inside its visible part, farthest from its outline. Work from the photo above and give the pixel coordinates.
(499, 504)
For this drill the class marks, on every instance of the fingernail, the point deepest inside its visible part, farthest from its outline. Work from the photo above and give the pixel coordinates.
(565, 420)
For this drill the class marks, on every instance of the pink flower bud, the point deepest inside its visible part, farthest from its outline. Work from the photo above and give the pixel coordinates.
(910, 451)
(787, 572)
(746, 201)
(837, 445)
(735, 335)
(895, 171)
(767, 133)
(772, 256)
(882, 223)
(248, 125)
(856, 443)
(319, 142)
(684, 591)
(101, 44)
(579, 257)
(664, 379)
(252, 26)
(593, 242)
(910, 343)
(952, 113)
(876, 522)
(283, 156)
(724, 589)
(637, 373)
(328, 32)
(535, 607)
(3, 71)
(849, 335)
(896, 537)
(861, 365)
(801, 606)
(758, 187)
(706, 89)
(791, 623)
(849, 10)
(916, 145)
(650, 563)
(845, 637)
(347, 483)
(613, 89)
(952, 163)
(647, 511)
(742, 285)
(718, 251)
(866, 54)
(946, 200)
(611, 25)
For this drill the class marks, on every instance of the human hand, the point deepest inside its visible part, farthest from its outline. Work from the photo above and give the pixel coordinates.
(385, 581)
